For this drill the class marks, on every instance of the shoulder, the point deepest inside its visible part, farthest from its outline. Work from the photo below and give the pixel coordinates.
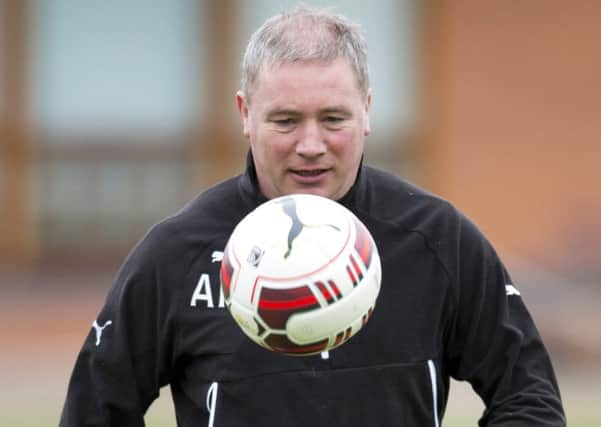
(448, 234)
(175, 241)
(399, 202)
(392, 198)
(209, 213)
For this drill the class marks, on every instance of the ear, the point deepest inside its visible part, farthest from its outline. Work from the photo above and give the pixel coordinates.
(243, 110)
(367, 108)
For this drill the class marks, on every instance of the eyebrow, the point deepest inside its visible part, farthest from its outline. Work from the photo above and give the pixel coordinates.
(336, 109)
(291, 112)
(282, 112)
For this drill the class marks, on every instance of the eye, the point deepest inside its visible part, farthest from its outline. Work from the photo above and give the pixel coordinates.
(333, 121)
(283, 122)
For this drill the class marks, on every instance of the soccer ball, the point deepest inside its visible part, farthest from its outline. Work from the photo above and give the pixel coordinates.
(300, 274)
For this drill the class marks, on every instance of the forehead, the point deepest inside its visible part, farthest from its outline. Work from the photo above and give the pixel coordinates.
(306, 80)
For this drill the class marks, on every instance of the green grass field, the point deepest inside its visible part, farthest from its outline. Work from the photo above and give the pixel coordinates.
(463, 409)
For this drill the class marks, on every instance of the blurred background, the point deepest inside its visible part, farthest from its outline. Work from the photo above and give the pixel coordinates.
(114, 114)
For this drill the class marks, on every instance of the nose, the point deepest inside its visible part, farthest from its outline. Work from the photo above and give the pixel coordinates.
(311, 142)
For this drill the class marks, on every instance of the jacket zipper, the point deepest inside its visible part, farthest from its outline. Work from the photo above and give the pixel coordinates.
(434, 384)
(212, 402)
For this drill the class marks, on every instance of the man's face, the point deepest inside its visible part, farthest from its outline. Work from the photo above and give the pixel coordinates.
(306, 124)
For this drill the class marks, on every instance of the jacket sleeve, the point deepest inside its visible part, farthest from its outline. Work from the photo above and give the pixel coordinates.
(124, 359)
(494, 343)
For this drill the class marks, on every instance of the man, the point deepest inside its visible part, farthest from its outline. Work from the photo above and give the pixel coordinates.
(444, 309)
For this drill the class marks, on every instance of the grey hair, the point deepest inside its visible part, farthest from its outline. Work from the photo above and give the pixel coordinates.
(305, 34)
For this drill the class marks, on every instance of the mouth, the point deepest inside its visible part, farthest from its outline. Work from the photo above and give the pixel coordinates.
(309, 172)
(309, 176)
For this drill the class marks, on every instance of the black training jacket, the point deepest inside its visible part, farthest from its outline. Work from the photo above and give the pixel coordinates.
(447, 308)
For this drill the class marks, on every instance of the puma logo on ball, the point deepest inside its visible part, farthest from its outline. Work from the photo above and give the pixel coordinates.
(289, 208)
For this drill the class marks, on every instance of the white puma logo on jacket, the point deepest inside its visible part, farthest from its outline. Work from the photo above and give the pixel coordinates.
(99, 329)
